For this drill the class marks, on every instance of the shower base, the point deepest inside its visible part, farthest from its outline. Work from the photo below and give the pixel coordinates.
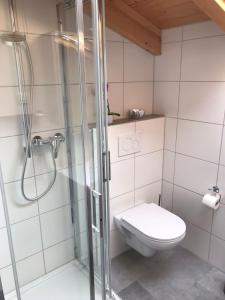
(68, 282)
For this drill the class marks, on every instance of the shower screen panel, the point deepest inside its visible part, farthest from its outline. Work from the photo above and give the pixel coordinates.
(53, 151)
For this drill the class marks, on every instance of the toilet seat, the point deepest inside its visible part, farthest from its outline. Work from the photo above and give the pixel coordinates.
(153, 223)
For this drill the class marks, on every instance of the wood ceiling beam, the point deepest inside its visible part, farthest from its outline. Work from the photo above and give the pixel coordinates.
(127, 22)
(215, 9)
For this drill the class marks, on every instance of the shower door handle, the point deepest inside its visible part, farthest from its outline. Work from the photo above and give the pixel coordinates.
(106, 166)
(97, 196)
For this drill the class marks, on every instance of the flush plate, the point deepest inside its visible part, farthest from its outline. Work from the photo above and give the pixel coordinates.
(129, 144)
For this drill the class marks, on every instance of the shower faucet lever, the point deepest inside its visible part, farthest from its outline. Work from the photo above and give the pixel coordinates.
(54, 141)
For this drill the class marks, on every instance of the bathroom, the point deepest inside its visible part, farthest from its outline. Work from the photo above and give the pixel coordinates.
(112, 149)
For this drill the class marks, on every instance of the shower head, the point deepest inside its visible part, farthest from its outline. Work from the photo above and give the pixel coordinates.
(13, 37)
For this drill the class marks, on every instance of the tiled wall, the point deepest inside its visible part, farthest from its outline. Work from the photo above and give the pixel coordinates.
(42, 231)
(189, 89)
(136, 178)
(130, 75)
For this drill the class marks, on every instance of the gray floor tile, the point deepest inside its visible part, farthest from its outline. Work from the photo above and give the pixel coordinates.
(126, 269)
(172, 273)
(169, 275)
(213, 282)
(135, 292)
(201, 293)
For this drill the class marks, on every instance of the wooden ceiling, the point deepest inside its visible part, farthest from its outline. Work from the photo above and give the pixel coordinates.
(141, 21)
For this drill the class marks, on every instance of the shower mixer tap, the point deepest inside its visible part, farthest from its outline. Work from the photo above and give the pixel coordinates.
(54, 142)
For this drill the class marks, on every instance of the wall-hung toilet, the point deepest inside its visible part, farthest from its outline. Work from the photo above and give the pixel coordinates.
(149, 227)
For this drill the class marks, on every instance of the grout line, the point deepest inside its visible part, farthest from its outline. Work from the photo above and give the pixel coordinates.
(178, 108)
(40, 214)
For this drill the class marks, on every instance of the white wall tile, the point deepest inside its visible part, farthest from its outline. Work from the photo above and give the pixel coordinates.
(148, 168)
(122, 177)
(113, 36)
(23, 232)
(151, 133)
(30, 268)
(7, 62)
(222, 156)
(4, 17)
(2, 213)
(46, 67)
(114, 61)
(148, 193)
(74, 105)
(172, 35)
(201, 140)
(114, 133)
(167, 195)
(5, 258)
(59, 194)
(197, 241)
(20, 209)
(168, 165)
(59, 255)
(202, 29)
(7, 279)
(56, 226)
(189, 206)
(217, 251)
(120, 204)
(72, 69)
(219, 222)
(203, 59)
(202, 101)
(170, 134)
(117, 243)
(115, 97)
(194, 174)
(138, 95)
(167, 65)
(38, 16)
(12, 158)
(166, 98)
(48, 108)
(138, 64)
(10, 114)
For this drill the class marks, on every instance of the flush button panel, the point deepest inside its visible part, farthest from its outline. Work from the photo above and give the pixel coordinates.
(129, 144)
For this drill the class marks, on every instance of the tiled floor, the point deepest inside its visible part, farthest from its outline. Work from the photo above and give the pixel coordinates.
(176, 274)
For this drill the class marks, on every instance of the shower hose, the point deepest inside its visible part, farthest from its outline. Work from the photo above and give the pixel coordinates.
(28, 119)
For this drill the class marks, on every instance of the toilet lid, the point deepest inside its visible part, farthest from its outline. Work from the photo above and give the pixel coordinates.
(154, 221)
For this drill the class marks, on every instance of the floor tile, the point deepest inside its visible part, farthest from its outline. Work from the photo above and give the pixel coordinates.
(126, 269)
(134, 292)
(172, 275)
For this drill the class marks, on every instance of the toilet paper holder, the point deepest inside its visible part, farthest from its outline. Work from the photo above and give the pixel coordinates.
(215, 189)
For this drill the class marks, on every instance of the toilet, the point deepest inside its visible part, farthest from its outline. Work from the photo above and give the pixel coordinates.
(148, 228)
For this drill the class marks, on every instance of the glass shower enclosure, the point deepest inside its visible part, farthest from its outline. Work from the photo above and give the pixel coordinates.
(54, 214)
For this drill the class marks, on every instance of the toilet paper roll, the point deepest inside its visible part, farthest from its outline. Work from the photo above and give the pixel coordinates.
(212, 200)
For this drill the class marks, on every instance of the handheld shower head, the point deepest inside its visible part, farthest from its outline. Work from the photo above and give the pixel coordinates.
(12, 37)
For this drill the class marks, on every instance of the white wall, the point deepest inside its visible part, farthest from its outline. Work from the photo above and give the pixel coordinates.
(136, 177)
(189, 89)
(130, 75)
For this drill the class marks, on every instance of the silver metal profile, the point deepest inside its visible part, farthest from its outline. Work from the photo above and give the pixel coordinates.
(85, 140)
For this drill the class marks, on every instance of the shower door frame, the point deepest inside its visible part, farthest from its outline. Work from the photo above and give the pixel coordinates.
(98, 23)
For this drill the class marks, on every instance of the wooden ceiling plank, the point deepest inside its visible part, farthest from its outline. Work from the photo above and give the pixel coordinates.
(130, 28)
(131, 13)
(215, 9)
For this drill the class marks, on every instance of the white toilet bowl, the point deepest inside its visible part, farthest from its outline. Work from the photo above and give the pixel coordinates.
(149, 227)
